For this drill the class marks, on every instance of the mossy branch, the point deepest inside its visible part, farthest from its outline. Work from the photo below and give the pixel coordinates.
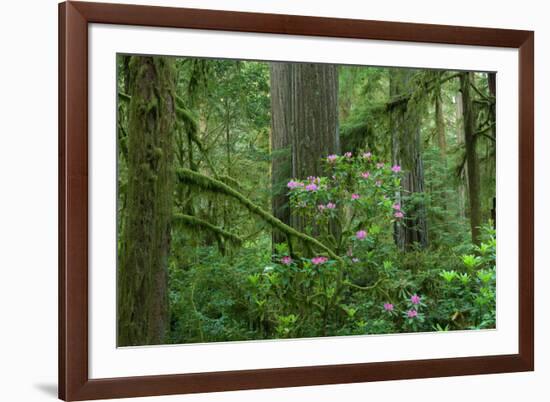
(191, 122)
(124, 97)
(210, 184)
(194, 222)
(426, 87)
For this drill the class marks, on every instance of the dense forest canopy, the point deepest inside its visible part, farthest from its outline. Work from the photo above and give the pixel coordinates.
(261, 200)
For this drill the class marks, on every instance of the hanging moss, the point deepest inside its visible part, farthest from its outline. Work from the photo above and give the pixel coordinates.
(209, 184)
(145, 240)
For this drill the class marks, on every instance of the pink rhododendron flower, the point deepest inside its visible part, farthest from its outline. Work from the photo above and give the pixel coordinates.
(313, 179)
(396, 168)
(321, 207)
(365, 175)
(367, 155)
(379, 165)
(415, 299)
(331, 205)
(319, 260)
(312, 187)
(361, 235)
(287, 260)
(347, 154)
(294, 184)
(396, 206)
(398, 215)
(355, 196)
(331, 158)
(388, 306)
(412, 313)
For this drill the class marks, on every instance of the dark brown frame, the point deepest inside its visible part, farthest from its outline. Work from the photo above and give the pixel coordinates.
(74, 18)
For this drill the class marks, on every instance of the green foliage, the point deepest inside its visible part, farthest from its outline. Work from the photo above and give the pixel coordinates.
(339, 271)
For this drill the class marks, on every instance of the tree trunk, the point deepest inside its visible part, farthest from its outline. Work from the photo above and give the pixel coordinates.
(492, 83)
(304, 118)
(407, 152)
(463, 181)
(281, 167)
(440, 124)
(471, 155)
(314, 117)
(145, 242)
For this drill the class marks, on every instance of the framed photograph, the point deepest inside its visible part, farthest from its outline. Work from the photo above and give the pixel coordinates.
(260, 200)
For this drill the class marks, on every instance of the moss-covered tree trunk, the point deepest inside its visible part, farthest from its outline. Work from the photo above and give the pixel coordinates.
(492, 84)
(440, 123)
(145, 241)
(463, 181)
(471, 155)
(407, 152)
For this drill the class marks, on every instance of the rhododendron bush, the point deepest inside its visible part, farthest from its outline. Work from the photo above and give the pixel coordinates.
(354, 209)
(353, 206)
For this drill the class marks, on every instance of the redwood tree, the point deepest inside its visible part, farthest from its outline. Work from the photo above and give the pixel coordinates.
(304, 123)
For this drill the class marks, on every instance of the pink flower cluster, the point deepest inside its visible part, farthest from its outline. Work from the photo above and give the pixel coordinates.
(398, 213)
(286, 260)
(347, 154)
(412, 313)
(367, 155)
(388, 306)
(396, 168)
(355, 196)
(361, 235)
(415, 299)
(294, 184)
(332, 158)
(329, 205)
(365, 175)
(319, 260)
(313, 183)
(314, 179)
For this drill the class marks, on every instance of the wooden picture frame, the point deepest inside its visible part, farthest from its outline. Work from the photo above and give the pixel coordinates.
(74, 381)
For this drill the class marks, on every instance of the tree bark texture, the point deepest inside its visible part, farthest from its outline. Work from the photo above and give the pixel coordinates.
(304, 125)
(471, 155)
(281, 165)
(440, 124)
(145, 241)
(407, 152)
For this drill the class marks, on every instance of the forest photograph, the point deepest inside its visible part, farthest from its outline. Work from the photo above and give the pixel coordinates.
(276, 200)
